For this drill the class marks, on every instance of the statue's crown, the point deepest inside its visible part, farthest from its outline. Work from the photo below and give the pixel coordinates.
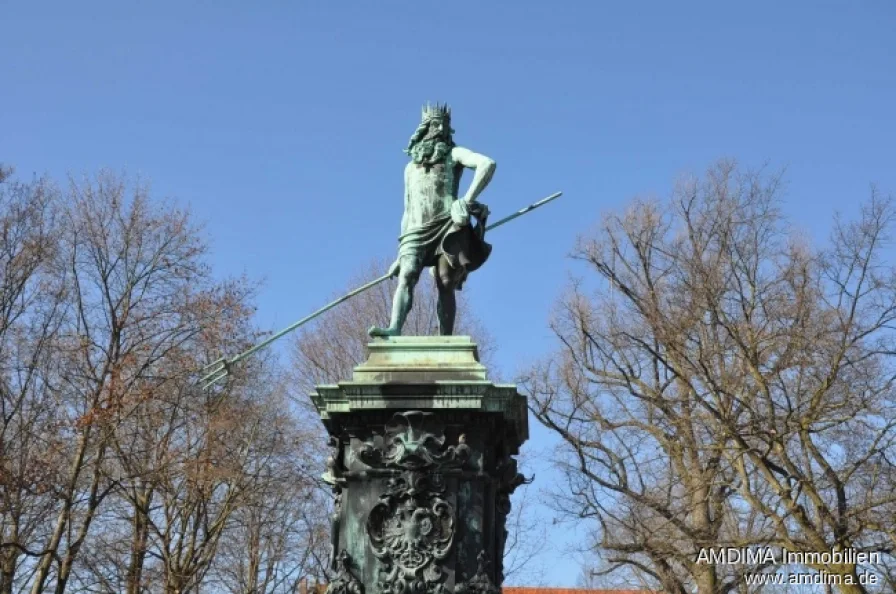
(437, 111)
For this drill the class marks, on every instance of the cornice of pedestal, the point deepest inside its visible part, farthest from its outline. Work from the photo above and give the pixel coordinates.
(425, 373)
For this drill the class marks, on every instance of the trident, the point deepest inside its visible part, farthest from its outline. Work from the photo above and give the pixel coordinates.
(220, 369)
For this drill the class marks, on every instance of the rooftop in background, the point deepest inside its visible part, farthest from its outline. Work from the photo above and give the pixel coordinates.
(514, 590)
(306, 588)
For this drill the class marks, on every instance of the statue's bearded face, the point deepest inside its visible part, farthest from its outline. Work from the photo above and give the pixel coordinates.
(434, 144)
(438, 128)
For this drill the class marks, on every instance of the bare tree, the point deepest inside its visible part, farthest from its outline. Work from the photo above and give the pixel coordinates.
(117, 473)
(167, 441)
(130, 270)
(278, 536)
(31, 311)
(213, 479)
(726, 385)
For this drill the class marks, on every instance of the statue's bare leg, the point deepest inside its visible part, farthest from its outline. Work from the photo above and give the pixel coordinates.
(403, 299)
(447, 304)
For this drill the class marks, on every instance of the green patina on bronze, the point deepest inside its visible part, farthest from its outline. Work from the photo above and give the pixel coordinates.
(423, 442)
(422, 469)
(437, 230)
(437, 227)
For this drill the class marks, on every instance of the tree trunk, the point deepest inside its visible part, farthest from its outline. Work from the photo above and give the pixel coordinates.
(43, 568)
(254, 554)
(93, 503)
(138, 545)
(8, 569)
(174, 585)
(65, 570)
(706, 579)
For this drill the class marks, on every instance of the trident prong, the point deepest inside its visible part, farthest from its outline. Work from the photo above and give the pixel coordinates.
(215, 372)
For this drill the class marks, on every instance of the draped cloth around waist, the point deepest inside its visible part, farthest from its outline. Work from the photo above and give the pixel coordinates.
(463, 246)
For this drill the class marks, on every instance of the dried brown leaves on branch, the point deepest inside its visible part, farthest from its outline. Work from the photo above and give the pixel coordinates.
(118, 473)
(726, 384)
(31, 311)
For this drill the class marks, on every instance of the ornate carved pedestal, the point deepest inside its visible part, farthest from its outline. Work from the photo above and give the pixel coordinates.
(422, 469)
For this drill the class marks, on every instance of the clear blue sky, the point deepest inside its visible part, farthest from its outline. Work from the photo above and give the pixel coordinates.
(282, 124)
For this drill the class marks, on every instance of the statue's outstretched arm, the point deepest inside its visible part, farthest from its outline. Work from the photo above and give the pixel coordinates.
(484, 167)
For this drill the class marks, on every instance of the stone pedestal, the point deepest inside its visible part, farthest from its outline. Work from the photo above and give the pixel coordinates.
(422, 469)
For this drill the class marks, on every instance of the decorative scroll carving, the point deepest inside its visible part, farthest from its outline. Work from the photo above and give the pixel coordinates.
(414, 440)
(411, 529)
(480, 583)
(345, 581)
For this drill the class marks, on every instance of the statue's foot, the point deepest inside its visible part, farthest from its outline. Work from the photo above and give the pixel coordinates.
(377, 332)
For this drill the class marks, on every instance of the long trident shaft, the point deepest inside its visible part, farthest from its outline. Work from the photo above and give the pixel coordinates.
(220, 369)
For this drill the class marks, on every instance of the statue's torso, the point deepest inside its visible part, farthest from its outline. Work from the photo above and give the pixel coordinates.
(431, 190)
